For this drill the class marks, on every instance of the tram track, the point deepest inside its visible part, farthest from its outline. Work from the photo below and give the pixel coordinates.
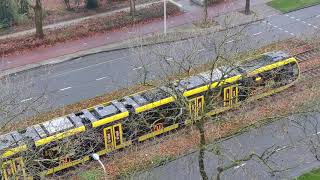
(307, 56)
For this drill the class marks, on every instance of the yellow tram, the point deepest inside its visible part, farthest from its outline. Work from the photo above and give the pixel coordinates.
(61, 143)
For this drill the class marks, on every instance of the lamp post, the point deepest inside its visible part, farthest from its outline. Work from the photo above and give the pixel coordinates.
(165, 17)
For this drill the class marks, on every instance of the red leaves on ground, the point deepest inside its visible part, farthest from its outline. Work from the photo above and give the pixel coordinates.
(87, 28)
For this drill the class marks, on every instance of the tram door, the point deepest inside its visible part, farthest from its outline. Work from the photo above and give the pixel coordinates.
(13, 169)
(196, 107)
(113, 136)
(230, 95)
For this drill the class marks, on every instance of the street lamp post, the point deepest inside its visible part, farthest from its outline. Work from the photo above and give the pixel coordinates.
(165, 17)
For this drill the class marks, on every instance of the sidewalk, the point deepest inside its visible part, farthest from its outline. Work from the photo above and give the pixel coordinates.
(193, 13)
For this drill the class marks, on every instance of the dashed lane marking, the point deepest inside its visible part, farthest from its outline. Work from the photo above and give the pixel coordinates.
(281, 29)
(256, 34)
(137, 68)
(98, 79)
(201, 50)
(24, 100)
(169, 59)
(280, 149)
(63, 89)
(241, 165)
(90, 66)
(230, 41)
(297, 19)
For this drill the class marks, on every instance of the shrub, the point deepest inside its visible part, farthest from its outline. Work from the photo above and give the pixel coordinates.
(91, 4)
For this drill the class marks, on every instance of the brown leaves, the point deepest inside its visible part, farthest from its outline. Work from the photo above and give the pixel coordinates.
(85, 29)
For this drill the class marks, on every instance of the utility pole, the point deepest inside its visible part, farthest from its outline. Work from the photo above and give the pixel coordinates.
(165, 17)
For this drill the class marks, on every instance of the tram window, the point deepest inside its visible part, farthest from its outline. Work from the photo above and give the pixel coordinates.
(117, 135)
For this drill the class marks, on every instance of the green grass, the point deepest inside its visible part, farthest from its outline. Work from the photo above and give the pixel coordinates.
(91, 175)
(291, 5)
(312, 175)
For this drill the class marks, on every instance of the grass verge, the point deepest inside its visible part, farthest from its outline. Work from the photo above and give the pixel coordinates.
(312, 175)
(291, 5)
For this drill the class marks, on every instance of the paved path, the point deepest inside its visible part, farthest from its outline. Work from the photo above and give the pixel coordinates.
(193, 13)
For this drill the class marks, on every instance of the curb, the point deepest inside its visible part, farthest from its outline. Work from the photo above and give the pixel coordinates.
(110, 48)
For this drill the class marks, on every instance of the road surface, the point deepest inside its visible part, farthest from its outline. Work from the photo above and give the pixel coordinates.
(93, 75)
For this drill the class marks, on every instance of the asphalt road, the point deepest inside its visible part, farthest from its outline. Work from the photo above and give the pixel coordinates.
(292, 156)
(101, 73)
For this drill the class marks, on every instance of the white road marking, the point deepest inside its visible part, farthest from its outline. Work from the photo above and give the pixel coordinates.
(24, 100)
(318, 16)
(303, 22)
(169, 59)
(275, 26)
(315, 27)
(137, 68)
(309, 24)
(98, 79)
(297, 19)
(229, 41)
(256, 34)
(292, 34)
(280, 29)
(237, 167)
(287, 15)
(316, 133)
(201, 50)
(282, 148)
(63, 89)
(292, 17)
(286, 31)
(87, 67)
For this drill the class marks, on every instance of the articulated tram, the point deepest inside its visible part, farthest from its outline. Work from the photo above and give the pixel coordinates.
(64, 142)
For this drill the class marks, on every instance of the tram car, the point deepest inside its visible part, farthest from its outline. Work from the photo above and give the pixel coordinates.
(61, 143)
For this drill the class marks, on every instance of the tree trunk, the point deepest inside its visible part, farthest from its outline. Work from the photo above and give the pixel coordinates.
(247, 10)
(132, 7)
(38, 19)
(200, 126)
(205, 11)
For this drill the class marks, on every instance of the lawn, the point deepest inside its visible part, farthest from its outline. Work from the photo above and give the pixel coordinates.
(290, 5)
(312, 175)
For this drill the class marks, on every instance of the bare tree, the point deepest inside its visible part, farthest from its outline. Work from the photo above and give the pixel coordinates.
(38, 18)
(132, 7)
(247, 8)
